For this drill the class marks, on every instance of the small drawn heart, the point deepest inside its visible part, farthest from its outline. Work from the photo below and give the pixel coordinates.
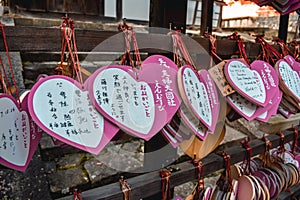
(195, 96)
(62, 109)
(14, 134)
(141, 104)
(289, 78)
(246, 82)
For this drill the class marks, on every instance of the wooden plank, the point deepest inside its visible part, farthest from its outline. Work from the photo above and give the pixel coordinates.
(49, 39)
(146, 185)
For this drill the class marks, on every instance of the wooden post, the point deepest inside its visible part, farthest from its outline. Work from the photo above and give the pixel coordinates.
(166, 12)
(158, 152)
(119, 8)
(101, 6)
(283, 27)
(195, 12)
(207, 15)
(220, 18)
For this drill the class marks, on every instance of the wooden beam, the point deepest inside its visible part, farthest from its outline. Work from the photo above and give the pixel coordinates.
(164, 13)
(101, 6)
(119, 9)
(42, 39)
(207, 16)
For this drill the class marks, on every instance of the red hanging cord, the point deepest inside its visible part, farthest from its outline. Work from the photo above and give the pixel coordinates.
(180, 51)
(10, 64)
(284, 48)
(212, 47)
(165, 184)
(243, 54)
(76, 194)
(268, 51)
(248, 155)
(130, 39)
(69, 41)
(126, 189)
(266, 156)
(295, 142)
(200, 174)
(296, 53)
(2, 81)
(8, 90)
(226, 176)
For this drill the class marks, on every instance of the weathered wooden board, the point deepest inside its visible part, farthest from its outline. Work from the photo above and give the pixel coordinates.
(49, 39)
(149, 184)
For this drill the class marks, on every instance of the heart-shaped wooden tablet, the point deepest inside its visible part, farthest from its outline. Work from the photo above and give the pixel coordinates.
(14, 134)
(289, 79)
(62, 109)
(141, 104)
(246, 82)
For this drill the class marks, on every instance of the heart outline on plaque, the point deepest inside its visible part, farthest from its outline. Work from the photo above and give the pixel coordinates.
(245, 81)
(16, 151)
(149, 102)
(68, 114)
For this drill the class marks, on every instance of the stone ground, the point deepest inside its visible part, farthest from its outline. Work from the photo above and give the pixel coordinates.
(50, 178)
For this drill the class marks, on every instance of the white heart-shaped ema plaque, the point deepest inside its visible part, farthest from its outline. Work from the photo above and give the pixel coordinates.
(59, 106)
(246, 82)
(14, 133)
(194, 95)
(289, 79)
(243, 106)
(124, 100)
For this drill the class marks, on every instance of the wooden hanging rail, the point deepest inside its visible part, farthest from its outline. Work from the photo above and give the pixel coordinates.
(149, 184)
(33, 39)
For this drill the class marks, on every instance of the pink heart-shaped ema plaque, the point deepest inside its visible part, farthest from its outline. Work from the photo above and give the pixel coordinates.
(243, 106)
(141, 104)
(246, 82)
(14, 134)
(270, 81)
(293, 63)
(271, 108)
(62, 109)
(195, 95)
(289, 78)
(35, 131)
(212, 96)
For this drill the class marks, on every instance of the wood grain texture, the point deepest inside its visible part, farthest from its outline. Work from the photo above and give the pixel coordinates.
(45, 39)
(148, 184)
